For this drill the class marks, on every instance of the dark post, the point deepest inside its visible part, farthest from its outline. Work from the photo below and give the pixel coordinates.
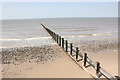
(63, 43)
(71, 48)
(59, 40)
(51, 34)
(117, 77)
(77, 53)
(49, 31)
(97, 66)
(66, 44)
(43, 25)
(54, 35)
(85, 59)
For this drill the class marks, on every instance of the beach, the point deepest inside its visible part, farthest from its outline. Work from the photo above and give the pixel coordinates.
(28, 51)
(45, 62)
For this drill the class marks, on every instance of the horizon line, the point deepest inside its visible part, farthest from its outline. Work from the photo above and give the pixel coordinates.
(56, 18)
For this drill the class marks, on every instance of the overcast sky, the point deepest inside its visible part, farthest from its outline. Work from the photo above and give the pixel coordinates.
(27, 10)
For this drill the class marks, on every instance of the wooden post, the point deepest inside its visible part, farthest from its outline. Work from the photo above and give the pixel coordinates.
(43, 25)
(49, 31)
(71, 48)
(54, 35)
(85, 59)
(117, 77)
(59, 40)
(51, 34)
(97, 67)
(56, 38)
(77, 53)
(63, 43)
(66, 44)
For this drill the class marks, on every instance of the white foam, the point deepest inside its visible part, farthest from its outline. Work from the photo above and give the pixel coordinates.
(68, 36)
(74, 36)
(81, 36)
(3, 47)
(100, 34)
(35, 38)
(9, 39)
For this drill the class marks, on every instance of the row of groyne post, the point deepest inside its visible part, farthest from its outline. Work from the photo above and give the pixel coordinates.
(65, 45)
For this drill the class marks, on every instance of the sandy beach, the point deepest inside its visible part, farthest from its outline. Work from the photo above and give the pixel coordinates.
(28, 51)
(53, 64)
(110, 64)
(105, 52)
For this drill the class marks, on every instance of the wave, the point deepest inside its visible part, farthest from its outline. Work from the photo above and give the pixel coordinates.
(102, 34)
(94, 34)
(68, 36)
(1, 47)
(18, 39)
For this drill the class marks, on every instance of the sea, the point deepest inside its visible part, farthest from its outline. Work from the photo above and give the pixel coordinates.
(29, 32)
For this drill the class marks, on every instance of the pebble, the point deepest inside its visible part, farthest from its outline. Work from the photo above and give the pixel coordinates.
(28, 54)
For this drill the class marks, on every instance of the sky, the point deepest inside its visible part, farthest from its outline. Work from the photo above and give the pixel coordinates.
(59, 0)
(30, 10)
